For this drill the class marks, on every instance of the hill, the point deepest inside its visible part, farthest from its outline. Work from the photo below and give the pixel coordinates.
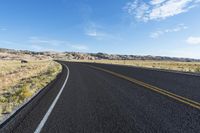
(10, 54)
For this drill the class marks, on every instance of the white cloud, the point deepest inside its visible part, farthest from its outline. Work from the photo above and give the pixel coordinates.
(99, 32)
(94, 33)
(158, 33)
(154, 2)
(94, 30)
(193, 40)
(158, 9)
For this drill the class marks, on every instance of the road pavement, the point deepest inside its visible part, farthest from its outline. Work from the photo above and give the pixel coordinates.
(96, 101)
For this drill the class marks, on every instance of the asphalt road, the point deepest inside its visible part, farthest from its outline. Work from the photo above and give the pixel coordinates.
(94, 101)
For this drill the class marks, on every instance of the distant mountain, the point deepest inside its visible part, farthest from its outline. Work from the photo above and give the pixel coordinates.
(137, 57)
(8, 54)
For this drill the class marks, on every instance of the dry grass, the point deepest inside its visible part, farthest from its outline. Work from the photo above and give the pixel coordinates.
(169, 65)
(18, 82)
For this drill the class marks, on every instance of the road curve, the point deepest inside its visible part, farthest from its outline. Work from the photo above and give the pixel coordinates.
(96, 101)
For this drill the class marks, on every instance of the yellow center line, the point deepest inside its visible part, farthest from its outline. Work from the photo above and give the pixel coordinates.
(154, 88)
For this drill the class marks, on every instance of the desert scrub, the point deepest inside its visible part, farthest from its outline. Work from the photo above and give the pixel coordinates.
(197, 69)
(23, 81)
(168, 65)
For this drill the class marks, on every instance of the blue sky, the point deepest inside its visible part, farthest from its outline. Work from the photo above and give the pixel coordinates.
(139, 27)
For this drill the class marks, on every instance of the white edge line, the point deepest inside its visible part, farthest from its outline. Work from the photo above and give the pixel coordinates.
(44, 119)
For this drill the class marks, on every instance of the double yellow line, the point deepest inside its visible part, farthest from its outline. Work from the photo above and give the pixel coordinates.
(153, 88)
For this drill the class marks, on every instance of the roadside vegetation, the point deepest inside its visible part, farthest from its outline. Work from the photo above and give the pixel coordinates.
(20, 81)
(168, 65)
